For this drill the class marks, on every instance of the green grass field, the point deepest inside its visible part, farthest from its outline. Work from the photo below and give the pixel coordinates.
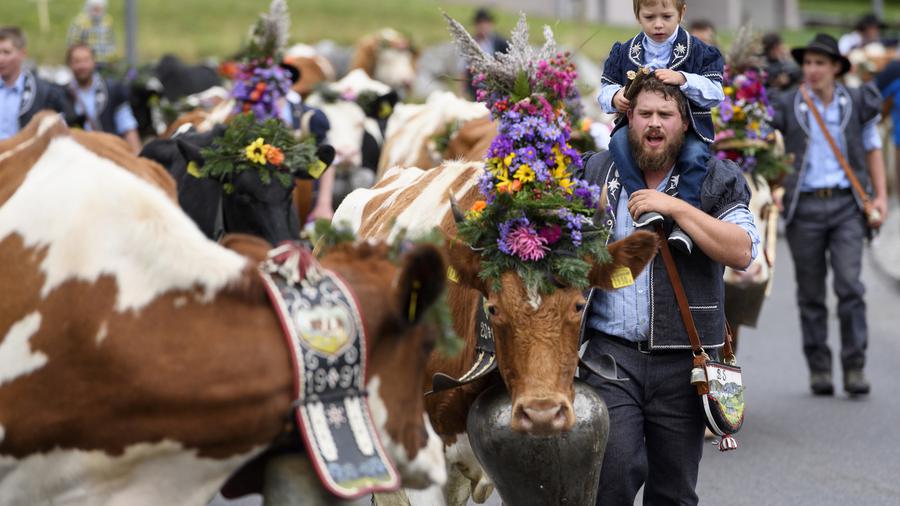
(196, 29)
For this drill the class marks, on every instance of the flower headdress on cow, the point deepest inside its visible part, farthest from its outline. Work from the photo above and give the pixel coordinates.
(744, 132)
(536, 216)
(261, 81)
(256, 139)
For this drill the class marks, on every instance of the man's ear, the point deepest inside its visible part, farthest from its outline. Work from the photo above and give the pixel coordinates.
(685, 125)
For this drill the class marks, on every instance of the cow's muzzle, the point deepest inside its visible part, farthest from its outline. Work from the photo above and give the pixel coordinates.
(543, 415)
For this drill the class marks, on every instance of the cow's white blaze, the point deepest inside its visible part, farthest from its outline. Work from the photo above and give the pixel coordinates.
(16, 356)
(427, 467)
(144, 474)
(96, 218)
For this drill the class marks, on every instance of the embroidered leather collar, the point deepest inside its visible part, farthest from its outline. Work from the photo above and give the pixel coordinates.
(325, 334)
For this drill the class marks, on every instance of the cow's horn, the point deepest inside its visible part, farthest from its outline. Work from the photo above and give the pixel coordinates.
(601, 208)
(454, 206)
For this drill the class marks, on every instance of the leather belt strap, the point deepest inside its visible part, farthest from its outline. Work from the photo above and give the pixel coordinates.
(834, 149)
(683, 306)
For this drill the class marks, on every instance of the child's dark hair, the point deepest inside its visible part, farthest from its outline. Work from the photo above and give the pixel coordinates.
(679, 4)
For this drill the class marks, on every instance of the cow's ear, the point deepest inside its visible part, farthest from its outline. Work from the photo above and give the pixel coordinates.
(189, 152)
(420, 282)
(633, 252)
(464, 265)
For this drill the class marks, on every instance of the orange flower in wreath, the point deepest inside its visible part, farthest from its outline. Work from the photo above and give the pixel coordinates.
(274, 155)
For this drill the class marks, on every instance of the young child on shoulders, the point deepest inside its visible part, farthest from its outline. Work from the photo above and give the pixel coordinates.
(676, 58)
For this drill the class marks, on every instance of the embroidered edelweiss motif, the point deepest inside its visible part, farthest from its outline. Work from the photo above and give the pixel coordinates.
(336, 416)
(635, 51)
(631, 75)
(674, 182)
(679, 50)
(614, 186)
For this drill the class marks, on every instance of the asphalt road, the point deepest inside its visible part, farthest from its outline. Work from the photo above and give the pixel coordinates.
(797, 449)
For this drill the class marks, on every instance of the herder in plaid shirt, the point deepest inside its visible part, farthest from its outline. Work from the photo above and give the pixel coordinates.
(93, 27)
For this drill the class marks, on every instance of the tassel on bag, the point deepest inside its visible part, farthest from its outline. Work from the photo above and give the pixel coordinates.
(728, 442)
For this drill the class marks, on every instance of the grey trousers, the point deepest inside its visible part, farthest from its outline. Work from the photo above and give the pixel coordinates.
(831, 231)
(656, 427)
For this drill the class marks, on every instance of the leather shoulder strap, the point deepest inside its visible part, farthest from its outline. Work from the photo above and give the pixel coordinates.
(834, 147)
(680, 296)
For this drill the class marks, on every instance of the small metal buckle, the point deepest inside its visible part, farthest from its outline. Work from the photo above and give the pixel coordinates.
(824, 193)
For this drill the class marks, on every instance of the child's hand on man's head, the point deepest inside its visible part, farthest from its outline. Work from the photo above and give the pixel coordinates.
(621, 103)
(669, 76)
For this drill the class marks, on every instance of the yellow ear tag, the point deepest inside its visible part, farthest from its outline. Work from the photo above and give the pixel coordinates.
(317, 168)
(193, 169)
(621, 277)
(452, 275)
(385, 110)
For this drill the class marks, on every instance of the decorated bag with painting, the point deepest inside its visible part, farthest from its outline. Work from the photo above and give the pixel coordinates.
(535, 217)
(744, 133)
(719, 383)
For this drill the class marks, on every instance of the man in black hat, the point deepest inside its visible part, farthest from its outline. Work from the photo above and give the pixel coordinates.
(824, 214)
(487, 38)
(867, 30)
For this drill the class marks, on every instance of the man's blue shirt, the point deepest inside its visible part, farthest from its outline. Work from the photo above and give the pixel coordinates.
(10, 102)
(822, 169)
(625, 312)
(87, 105)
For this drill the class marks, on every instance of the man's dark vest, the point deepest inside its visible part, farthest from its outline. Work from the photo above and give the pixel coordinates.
(38, 95)
(858, 106)
(723, 190)
(689, 54)
(109, 96)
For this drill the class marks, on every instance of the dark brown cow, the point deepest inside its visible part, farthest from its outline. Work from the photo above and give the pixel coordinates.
(536, 335)
(141, 363)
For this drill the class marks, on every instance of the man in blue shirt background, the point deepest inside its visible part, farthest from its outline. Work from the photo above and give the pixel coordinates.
(825, 222)
(22, 94)
(100, 104)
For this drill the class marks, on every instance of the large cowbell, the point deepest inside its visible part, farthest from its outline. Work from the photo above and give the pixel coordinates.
(540, 470)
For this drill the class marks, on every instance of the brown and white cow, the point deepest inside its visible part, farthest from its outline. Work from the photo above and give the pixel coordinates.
(314, 68)
(536, 336)
(409, 137)
(141, 363)
(387, 56)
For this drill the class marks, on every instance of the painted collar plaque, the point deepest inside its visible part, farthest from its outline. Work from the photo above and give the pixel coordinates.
(325, 333)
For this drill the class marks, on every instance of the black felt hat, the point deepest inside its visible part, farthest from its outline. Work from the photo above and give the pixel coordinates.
(483, 14)
(824, 44)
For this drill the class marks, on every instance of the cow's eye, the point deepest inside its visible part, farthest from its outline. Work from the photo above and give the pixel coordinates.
(492, 309)
(579, 307)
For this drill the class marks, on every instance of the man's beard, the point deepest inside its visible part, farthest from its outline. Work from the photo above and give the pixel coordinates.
(658, 160)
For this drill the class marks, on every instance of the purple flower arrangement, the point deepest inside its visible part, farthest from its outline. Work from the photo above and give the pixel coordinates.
(535, 216)
(258, 87)
(744, 133)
